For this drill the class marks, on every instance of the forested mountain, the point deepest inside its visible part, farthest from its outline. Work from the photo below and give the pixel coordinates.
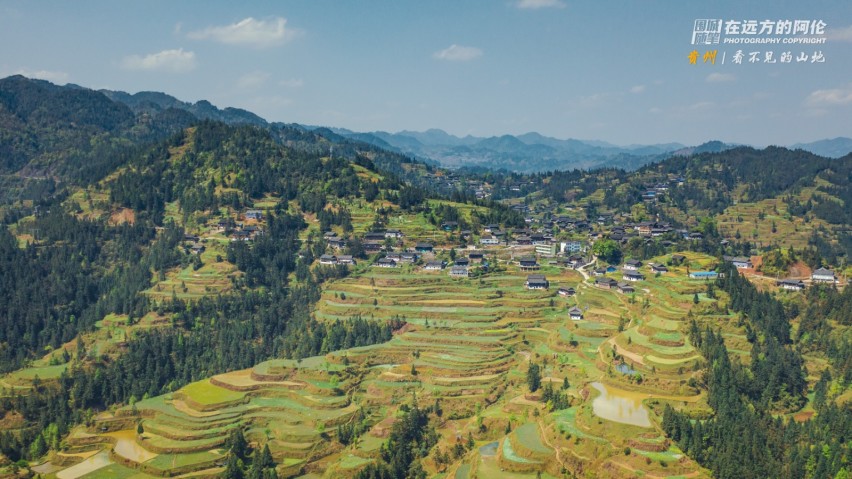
(200, 280)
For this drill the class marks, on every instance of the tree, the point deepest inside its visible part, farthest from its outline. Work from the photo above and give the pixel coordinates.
(534, 377)
(608, 250)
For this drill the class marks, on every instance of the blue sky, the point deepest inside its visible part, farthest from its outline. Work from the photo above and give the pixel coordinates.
(607, 70)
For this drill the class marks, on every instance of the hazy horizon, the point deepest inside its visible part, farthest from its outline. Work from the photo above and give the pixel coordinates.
(564, 69)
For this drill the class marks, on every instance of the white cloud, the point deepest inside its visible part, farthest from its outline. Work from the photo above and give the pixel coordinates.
(174, 61)
(720, 77)
(51, 76)
(249, 32)
(536, 4)
(830, 97)
(292, 83)
(702, 105)
(840, 34)
(458, 53)
(252, 80)
(597, 100)
(637, 89)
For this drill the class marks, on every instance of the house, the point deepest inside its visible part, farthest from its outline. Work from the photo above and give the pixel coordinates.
(491, 228)
(374, 236)
(703, 275)
(393, 234)
(336, 243)
(791, 284)
(328, 235)
(632, 265)
(567, 292)
(197, 248)
(572, 246)
(489, 240)
(631, 276)
(546, 249)
(462, 262)
(528, 263)
(372, 247)
(625, 288)
(435, 265)
(678, 259)
(253, 231)
(345, 259)
(823, 275)
(599, 272)
(449, 225)
(328, 259)
(538, 239)
(459, 272)
(605, 283)
(524, 240)
(476, 257)
(256, 215)
(575, 313)
(386, 263)
(465, 234)
(738, 261)
(423, 247)
(240, 236)
(659, 268)
(645, 227)
(537, 281)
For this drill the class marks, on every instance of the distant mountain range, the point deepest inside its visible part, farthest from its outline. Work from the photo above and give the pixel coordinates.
(834, 148)
(530, 152)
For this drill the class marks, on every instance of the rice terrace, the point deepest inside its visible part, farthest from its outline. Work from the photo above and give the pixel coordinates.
(329, 286)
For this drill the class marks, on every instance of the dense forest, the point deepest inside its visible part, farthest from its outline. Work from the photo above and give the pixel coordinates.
(744, 438)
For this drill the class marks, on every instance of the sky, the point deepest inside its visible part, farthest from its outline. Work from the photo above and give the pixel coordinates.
(596, 70)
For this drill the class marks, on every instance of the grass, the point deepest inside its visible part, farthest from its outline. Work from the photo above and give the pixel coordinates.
(203, 392)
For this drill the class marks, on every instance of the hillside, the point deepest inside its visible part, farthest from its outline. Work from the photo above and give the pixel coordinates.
(230, 299)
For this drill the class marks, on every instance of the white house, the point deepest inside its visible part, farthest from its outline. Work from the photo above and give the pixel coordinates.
(575, 313)
(823, 275)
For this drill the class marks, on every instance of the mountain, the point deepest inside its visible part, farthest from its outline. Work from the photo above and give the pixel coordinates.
(834, 148)
(148, 101)
(48, 130)
(713, 146)
(526, 153)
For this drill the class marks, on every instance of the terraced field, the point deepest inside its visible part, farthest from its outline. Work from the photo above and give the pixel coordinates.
(468, 344)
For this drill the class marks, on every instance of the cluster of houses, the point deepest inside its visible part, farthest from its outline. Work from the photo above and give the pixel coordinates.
(819, 276)
(332, 260)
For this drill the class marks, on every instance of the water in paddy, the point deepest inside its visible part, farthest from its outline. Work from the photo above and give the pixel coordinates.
(489, 449)
(624, 369)
(620, 406)
(126, 446)
(93, 463)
